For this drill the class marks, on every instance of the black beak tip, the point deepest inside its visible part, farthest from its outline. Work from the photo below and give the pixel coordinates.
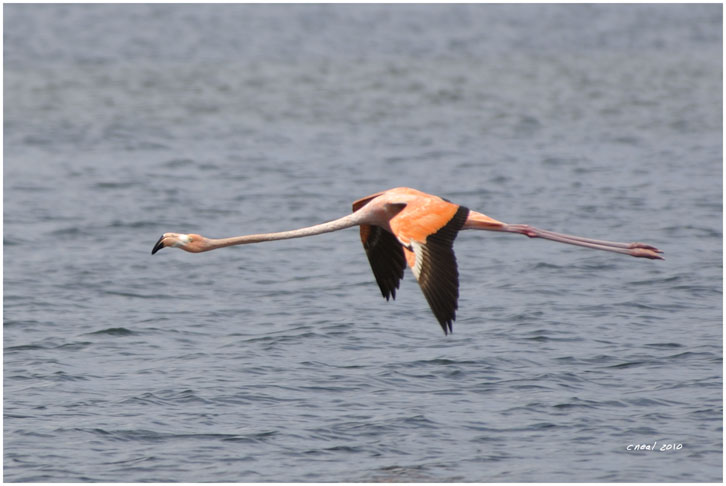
(159, 245)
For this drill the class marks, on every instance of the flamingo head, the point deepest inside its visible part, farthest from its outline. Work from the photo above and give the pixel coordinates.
(191, 243)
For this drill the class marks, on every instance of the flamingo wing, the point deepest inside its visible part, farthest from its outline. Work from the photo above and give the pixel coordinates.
(384, 252)
(385, 255)
(433, 263)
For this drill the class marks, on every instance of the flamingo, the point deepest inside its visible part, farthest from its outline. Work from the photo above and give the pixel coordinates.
(404, 226)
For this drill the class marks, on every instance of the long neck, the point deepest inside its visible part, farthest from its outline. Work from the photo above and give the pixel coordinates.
(335, 225)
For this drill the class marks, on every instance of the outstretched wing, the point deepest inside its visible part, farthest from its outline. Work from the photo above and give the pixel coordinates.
(384, 252)
(385, 255)
(433, 263)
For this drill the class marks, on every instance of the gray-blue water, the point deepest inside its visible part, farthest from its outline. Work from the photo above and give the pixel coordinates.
(281, 361)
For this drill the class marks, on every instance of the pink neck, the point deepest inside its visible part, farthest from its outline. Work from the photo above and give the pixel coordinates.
(335, 225)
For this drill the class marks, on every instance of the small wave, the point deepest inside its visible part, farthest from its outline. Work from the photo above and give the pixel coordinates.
(337, 448)
(33, 347)
(541, 338)
(135, 295)
(70, 231)
(579, 403)
(650, 402)
(178, 163)
(24, 347)
(166, 398)
(146, 435)
(132, 224)
(406, 474)
(653, 281)
(57, 376)
(113, 331)
(547, 266)
(319, 364)
(663, 345)
(630, 364)
(130, 462)
(10, 241)
(434, 361)
(693, 354)
(115, 185)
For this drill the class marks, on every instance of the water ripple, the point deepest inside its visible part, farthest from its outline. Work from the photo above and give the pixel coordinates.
(280, 361)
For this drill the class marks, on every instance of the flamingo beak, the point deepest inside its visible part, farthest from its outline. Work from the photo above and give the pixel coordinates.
(159, 245)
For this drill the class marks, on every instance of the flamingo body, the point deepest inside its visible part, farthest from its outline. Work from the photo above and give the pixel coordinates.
(403, 226)
(421, 233)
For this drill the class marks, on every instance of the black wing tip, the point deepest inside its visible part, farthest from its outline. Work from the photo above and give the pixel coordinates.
(388, 289)
(448, 326)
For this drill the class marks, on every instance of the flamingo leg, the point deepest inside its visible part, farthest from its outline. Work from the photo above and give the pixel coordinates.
(639, 250)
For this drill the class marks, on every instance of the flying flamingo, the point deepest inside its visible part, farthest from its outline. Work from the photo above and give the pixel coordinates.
(405, 226)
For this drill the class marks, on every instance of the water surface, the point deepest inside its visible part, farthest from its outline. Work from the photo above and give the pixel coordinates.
(280, 361)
